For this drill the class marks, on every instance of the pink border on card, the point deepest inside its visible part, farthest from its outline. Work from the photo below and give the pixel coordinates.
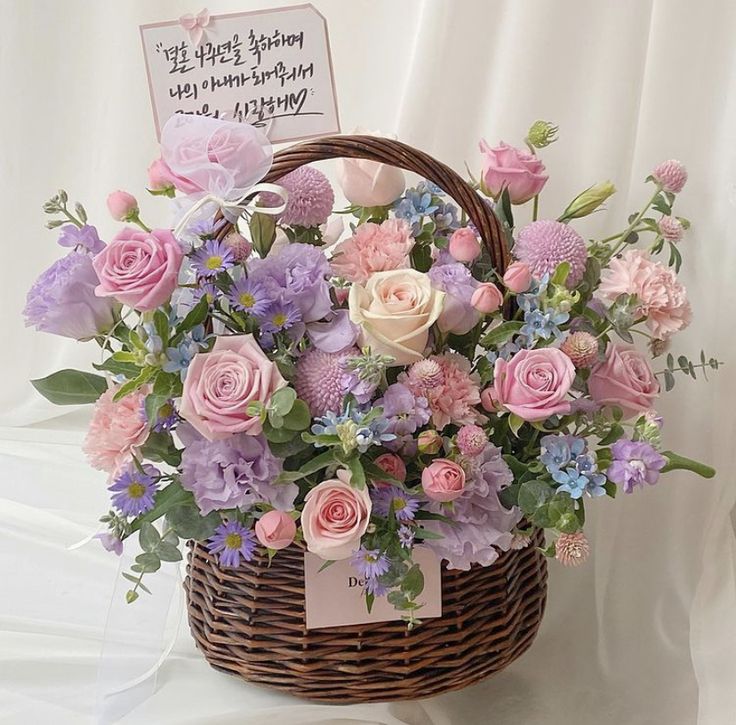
(164, 23)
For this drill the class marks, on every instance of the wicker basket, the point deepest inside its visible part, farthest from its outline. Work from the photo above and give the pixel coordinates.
(251, 621)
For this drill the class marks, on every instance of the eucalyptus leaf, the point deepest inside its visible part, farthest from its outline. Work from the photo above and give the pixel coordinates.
(188, 522)
(149, 537)
(534, 494)
(148, 562)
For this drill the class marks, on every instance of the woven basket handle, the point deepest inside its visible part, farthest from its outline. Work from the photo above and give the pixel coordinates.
(395, 153)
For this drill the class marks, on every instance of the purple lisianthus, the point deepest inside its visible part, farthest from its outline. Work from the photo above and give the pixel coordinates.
(235, 472)
(458, 314)
(634, 464)
(405, 413)
(63, 300)
(334, 335)
(231, 542)
(133, 490)
(296, 273)
(481, 525)
(81, 238)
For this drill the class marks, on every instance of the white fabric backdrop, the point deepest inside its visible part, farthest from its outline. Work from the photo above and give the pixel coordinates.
(646, 632)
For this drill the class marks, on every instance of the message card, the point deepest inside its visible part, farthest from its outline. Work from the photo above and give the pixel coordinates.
(334, 596)
(271, 68)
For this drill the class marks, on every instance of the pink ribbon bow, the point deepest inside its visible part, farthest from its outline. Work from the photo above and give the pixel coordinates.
(195, 25)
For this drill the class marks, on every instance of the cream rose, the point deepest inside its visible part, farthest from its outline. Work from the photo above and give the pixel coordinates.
(395, 310)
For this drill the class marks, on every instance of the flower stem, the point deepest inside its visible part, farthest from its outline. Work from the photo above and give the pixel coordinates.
(635, 223)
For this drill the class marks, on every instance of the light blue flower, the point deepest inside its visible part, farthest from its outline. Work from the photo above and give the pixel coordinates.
(559, 450)
(544, 325)
(354, 429)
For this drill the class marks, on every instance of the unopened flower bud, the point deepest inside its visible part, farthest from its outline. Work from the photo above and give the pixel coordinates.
(464, 246)
(429, 441)
(122, 206)
(588, 201)
(541, 134)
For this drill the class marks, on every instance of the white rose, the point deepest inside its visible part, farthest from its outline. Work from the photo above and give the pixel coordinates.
(395, 310)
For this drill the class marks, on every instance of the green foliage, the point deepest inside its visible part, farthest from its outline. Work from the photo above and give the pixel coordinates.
(676, 462)
(501, 334)
(71, 387)
(159, 447)
(186, 520)
(262, 232)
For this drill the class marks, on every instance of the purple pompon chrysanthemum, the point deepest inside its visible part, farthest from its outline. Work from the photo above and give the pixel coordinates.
(322, 379)
(310, 199)
(544, 245)
(634, 464)
(393, 499)
(133, 490)
(212, 258)
(81, 238)
(249, 296)
(62, 300)
(231, 542)
(369, 563)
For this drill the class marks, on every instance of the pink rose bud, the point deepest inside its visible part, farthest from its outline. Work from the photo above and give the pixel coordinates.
(518, 278)
(487, 298)
(464, 245)
(393, 465)
(275, 529)
(429, 441)
(341, 294)
(122, 206)
(488, 399)
(159, 176)
(443, 480)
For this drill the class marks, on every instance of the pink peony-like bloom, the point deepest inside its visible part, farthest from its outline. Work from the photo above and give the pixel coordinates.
(322, 379)
(471, 440)
(572, 549)
(520, 172)
(443, 480)
(393, 465)
(670, 175)
(310, 199)
(545, 244)
(452, 399)
(533, 384)
(117, 429)
(661, 296)
(335, 516)
(670, 227)
(139, 269)
(373, 248)
(221, 384)
(275, 530)
(624, 379)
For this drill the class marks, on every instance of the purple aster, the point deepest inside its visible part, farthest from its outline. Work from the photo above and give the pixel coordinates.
(212, 258)
(455, 280)
(167, 417)
(62, 300)
(634, 464)
(370, 563)
(280, 315)
(81, 238)
(236, 472)
(395, 499)
(205, 289)
(296, 273)
(374, 587)
(249, 296)
(206, 228)
(406, 536)
(133, 490)
(230, 542)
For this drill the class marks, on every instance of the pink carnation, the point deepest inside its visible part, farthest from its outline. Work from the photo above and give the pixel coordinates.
(373, 248)
(662, 297)
(454, 398)
(116, 431)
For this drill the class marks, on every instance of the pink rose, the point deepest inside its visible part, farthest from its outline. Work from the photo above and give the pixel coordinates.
(624, 379)
(122, 206)
(140, 269)
(275, 530)
(335, 516)
(517, 278)
(443, 480)
(464, 245)
(487, 298)
(117, 429)
(393, 465)
(520, 172)
(222, 383)
(161, 178)
(533, 384)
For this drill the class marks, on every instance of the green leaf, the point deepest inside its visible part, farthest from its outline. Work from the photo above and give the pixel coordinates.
(509, 496)
(298, 418)
(131, 596)
(159, 446)
(533, 494)
(613, 435)
(262, 232)
(561, 273)
(161, 325)
(168, 552)
(277, 435)
(669, 381)
(149, 537)
(153, 404)
(188, 522)
(680, 463)
(165, 500)
(375, 473)
(501, 334)
(413, 582)
(611, 488)
(130, 370)
(71, 387)
(148, 562)
(369, 600)
(196, 316)
(356, 468)
(137, 581)
(145, 375)
(424, 534)
(317, 463)
(282, 400)
(515, 424)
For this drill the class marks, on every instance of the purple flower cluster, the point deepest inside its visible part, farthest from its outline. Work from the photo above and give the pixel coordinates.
(236, 472)
(84, 238)
(405, 413)
(454, 279)
(634, 464)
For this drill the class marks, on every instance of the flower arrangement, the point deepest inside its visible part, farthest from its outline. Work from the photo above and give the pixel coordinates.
(367, 389)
